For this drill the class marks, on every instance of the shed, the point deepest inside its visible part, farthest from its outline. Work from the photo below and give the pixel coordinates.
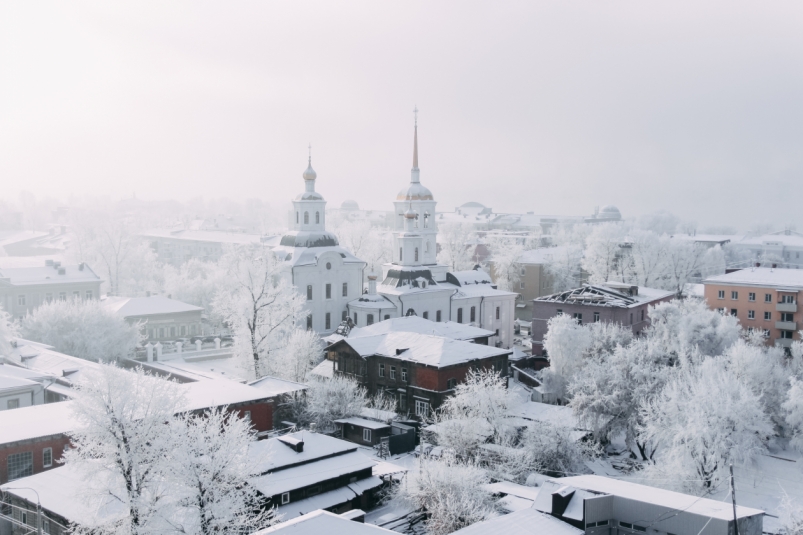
(363, 431)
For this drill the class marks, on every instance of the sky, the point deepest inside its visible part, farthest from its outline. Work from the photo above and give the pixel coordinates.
(549, 107)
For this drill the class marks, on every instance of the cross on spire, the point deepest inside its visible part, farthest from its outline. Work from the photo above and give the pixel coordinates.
(415, 112)
(309, 160)
(415, 140)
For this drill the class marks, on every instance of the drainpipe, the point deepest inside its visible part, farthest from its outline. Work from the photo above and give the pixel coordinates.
(450, 304)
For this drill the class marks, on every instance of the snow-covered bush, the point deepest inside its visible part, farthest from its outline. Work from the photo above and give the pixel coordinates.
(566, 341)
(332, 399)
(84, 329)
(681, 327)
(556, 450)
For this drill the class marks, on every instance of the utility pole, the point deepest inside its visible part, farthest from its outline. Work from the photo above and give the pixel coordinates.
(733, 499)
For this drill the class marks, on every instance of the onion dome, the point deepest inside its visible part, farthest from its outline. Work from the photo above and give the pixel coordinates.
(310, 173)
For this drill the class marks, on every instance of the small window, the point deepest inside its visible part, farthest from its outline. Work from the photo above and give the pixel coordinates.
(497, 312)
(20, 465)
(734, 295)
(404, 374)
(521, 285)
(366, 435)
(642, 314)
(381, 370)
(47, 457)
(296, 217)
(401, 254)
(344, 315)
(345, 289)
(306, 218)
(46, 526)
(328, 291)
(426, 315)
(751, 296)
(247, 416)
(596, 317)
(579, 317)
(768, 298)
(721, 294)
(523, 272)
(309, 322)
(328, 265)
(369, 319)
(62, 296)
(355, 318)
(627, 525)
(161, 332)
(733, 312)
(13, 403)
(639, 528)
(459, 315)
(416, 254)
(421, 408)
(172, 332)
(451, 383)
(309, 292)
(402, 401)
(387, 316)
(438, 315)
(631, 318)
(317, 217)
(767, 316)
(328, 321)
(473, 314)
(21, 300)
(285, 497)
(751, 314)
(76, 294)
(393, 372)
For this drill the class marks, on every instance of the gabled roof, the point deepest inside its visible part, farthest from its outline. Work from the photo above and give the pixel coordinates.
(23, 276)
(416, 324)
(128, 307)
(273, 386)
(605, 296)
(771, 277)
(323, 523)
(425, 349)
(36, 421)
(524, 522)
(274, 455)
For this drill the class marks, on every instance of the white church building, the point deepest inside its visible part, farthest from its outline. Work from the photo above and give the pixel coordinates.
(415, 284)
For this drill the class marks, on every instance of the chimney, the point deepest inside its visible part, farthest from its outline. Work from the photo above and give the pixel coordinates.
(372, 283)
(293, 443)
(81, 266)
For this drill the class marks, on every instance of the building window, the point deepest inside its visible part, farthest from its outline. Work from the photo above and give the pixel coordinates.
(345, 289)
(497, 312)
(521, 285)
(49, 298)
(247, 416)
(161, 332)
(751, 296)
(473, 314)
(426, 315)
(328, 291)
(631, 318)
(317, 217)
(355, 318)
(285, 497)
(366, 435)
(767, 316)
(416, 254)
(787, 299)
(401, 254)
(579, 317)
(451, 383)
(381, 370)
(559, 311)
(751, 314)
(76, 295)
(393, 372)
(734, 295)
(721, 294)
(642, 314)
(768, 298)
(296, 217)
(421, 408)
(523, 272)
(438, 315)
(46, 526)
(459, 315)
(328, 319)
(63, 296)
(328, 265)
(369, 319)
(403, 401)
(766, 333)
(787, 334)
(172, 332)
(733, 312)
(21, 300)
(596, 317)
(404, 374)
(20, 465)
(309, 322)
(306, 218)
(309, 292)
(13, 403)
(387, 316)
(786, 316)
(496, 333)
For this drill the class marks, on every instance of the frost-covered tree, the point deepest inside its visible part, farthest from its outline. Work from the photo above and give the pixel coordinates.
(261, 307)
(450, 492)
(505, 253)
(195, 282)
(648, 258)
(704, 419)
(8, 330)
(763, 369)
(687, 261)
(455, 251)
(125, 443)
(557, 449)
(211, 469)
(333, 399)
(682, 327)
(660, 223)
(302, 352)
(793, 407)
(85, 329)
(566, 341)
(564, 267)
(603, 252)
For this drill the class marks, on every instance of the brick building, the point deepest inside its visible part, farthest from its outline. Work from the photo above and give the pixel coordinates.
(610, 302)
(762, 298)
(418, 370)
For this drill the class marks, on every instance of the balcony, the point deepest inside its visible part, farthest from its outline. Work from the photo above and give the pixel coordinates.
(786, 325)
(786, 307)
(783, 342)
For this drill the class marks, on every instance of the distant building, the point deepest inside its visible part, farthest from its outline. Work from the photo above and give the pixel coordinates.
(418, 370)
(323, 522)
(606, 214)
(762, 298)
(415, 324)
(602, 505)
(178, 245)
(521, 522)
(25, 288)
(536, 281)
(611, 302)
(162, 318)
(21, 388)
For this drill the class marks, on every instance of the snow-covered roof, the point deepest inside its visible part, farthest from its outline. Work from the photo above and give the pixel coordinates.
(323, 522)
(478, 290)
(512, 489)
(524, 522)
(542, 255)
(324, 370)
(606, 295)
(196, 368)
(8, 370)
(211, 236)
(274, 455)
(127, 307)
(273, 386)
(786, 240)
(16, 383)
(43, 358)
(761, 276)
(706, 507)
(425, 349)
(362, 422)
(308, 256)
(63, 491)
(36, 421)
(416, 324)
(376, 301)
(558, 415)
(209, 393)
(471, 276)
(23, 276)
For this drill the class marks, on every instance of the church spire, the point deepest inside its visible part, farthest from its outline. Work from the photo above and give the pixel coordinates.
(414, 177)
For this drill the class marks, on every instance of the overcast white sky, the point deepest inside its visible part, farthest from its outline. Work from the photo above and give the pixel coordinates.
(552, 107)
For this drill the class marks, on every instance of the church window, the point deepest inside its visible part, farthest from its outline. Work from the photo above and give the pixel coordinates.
(401, 254)
(497, 312)
(345, 289)
(317, 217)
(309, 292)
(426, 247)
(306, 218)
(370, 319)
(459, 315)
(328, 321)
(416, 254)
(296, 217)
(309, 322)
(328, 291)
(344, 315)
(426, 315)
(355, 318)
(473, 314)
(426, 220)
(328, 265)
(438, 315)
(387, 316)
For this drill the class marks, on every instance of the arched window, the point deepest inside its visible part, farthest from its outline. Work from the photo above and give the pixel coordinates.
(317, 217)
(426, 247)
(296, 217)
(416, 254)
(401, 254)
(306, 218)
(473, 314)
(426, 219)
